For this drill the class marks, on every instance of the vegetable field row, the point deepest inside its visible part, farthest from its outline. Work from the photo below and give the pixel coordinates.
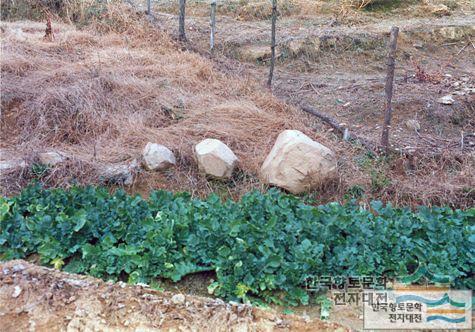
(265, 245)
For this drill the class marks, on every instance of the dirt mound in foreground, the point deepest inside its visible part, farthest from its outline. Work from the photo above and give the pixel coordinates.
(42, 299)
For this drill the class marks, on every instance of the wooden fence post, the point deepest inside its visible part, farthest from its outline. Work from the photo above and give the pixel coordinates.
(213, 25)
(181, 21)
(389, 88)
(272, 58)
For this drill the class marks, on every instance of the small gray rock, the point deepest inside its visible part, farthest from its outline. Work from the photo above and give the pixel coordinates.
(178, 299)
(157, 157)
(122, 174)
(18, 267)
(446, 100)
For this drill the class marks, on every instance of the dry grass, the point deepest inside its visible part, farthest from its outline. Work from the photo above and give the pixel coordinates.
(358, 4)
(101, 98)
(351, 12)
(77, 11)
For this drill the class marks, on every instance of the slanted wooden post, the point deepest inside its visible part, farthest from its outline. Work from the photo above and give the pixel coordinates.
(149, 7)
(49, 36)
(389, 88)
(213, 25)
(272, 48)
(181, 21)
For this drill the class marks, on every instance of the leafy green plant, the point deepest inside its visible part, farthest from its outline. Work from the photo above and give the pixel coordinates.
(355, 192)
(39, 170)
(379, 180)
(326, 306)
(263, 247)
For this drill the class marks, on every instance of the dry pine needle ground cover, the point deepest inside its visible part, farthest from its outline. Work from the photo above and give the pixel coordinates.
(110, 94)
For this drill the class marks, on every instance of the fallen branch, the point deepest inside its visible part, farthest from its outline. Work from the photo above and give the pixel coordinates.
(463, 48)
(341, 129)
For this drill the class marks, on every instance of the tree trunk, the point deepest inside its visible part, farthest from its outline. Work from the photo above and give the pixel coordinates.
(149, 7)
(181, 21)
(389, 88)
(213, 25)
(272, 58)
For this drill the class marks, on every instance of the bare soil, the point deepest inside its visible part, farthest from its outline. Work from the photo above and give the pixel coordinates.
(42, 299)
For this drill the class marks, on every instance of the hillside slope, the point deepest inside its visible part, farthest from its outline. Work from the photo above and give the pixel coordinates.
(98, 94)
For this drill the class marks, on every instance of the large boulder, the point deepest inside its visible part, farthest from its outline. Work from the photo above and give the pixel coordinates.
(297, 163)
(215, 158)
(157, 157)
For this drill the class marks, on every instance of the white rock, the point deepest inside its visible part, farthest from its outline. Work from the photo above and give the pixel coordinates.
(446, 100)
(297, 163)
(77, 282)
(178, 299)
(16, 292)
(215, 158)
(50, 158)
(157, 157)
(18, 267)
